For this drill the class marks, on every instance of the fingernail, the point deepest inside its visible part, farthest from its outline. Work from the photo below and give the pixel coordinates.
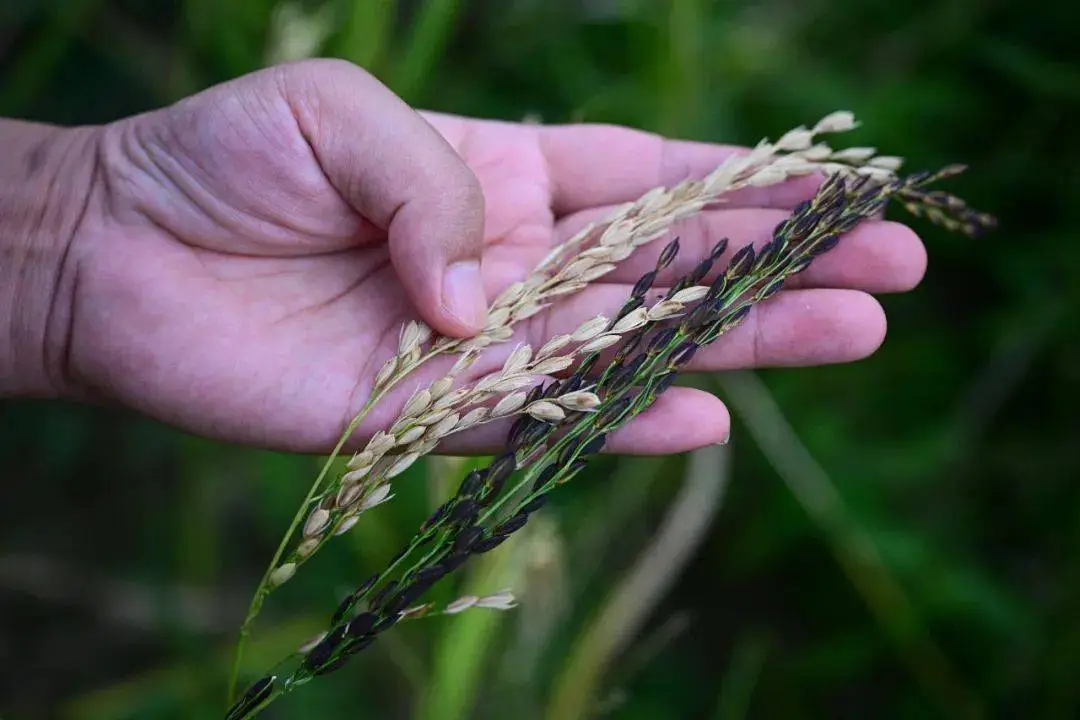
(463, 293)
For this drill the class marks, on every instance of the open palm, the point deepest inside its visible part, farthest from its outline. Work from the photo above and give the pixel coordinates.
(234, 276)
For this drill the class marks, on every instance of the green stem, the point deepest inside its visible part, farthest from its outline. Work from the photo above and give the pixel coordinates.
(264, 588)
(264, 584)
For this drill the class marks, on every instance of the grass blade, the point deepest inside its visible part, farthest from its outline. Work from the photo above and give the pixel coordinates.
(852, 545)
(629, 606)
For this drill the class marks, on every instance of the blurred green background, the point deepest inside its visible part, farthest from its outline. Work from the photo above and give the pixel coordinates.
(892, 538)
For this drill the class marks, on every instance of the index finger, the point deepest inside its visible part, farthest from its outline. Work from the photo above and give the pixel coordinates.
(590, 165)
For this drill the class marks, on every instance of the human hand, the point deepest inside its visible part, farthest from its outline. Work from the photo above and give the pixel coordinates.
(249, 254)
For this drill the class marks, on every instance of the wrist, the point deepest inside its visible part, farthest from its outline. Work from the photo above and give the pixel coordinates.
(46, 187)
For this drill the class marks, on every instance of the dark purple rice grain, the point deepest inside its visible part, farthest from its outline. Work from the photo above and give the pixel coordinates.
(361, 625)
(467, 538)
(510, 525)
(488, 544)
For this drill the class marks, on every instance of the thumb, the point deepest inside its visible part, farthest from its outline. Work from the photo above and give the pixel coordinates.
(395, 170)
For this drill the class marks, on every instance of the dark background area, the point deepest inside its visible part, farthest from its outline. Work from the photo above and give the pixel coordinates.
(895, 538)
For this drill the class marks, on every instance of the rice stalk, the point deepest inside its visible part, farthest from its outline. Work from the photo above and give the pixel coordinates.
(592, 253)
(553, 438)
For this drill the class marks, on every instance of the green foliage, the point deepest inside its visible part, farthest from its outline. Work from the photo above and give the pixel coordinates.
(129, 550)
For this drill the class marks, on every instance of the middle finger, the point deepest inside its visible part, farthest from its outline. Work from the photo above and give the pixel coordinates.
(877, 256)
